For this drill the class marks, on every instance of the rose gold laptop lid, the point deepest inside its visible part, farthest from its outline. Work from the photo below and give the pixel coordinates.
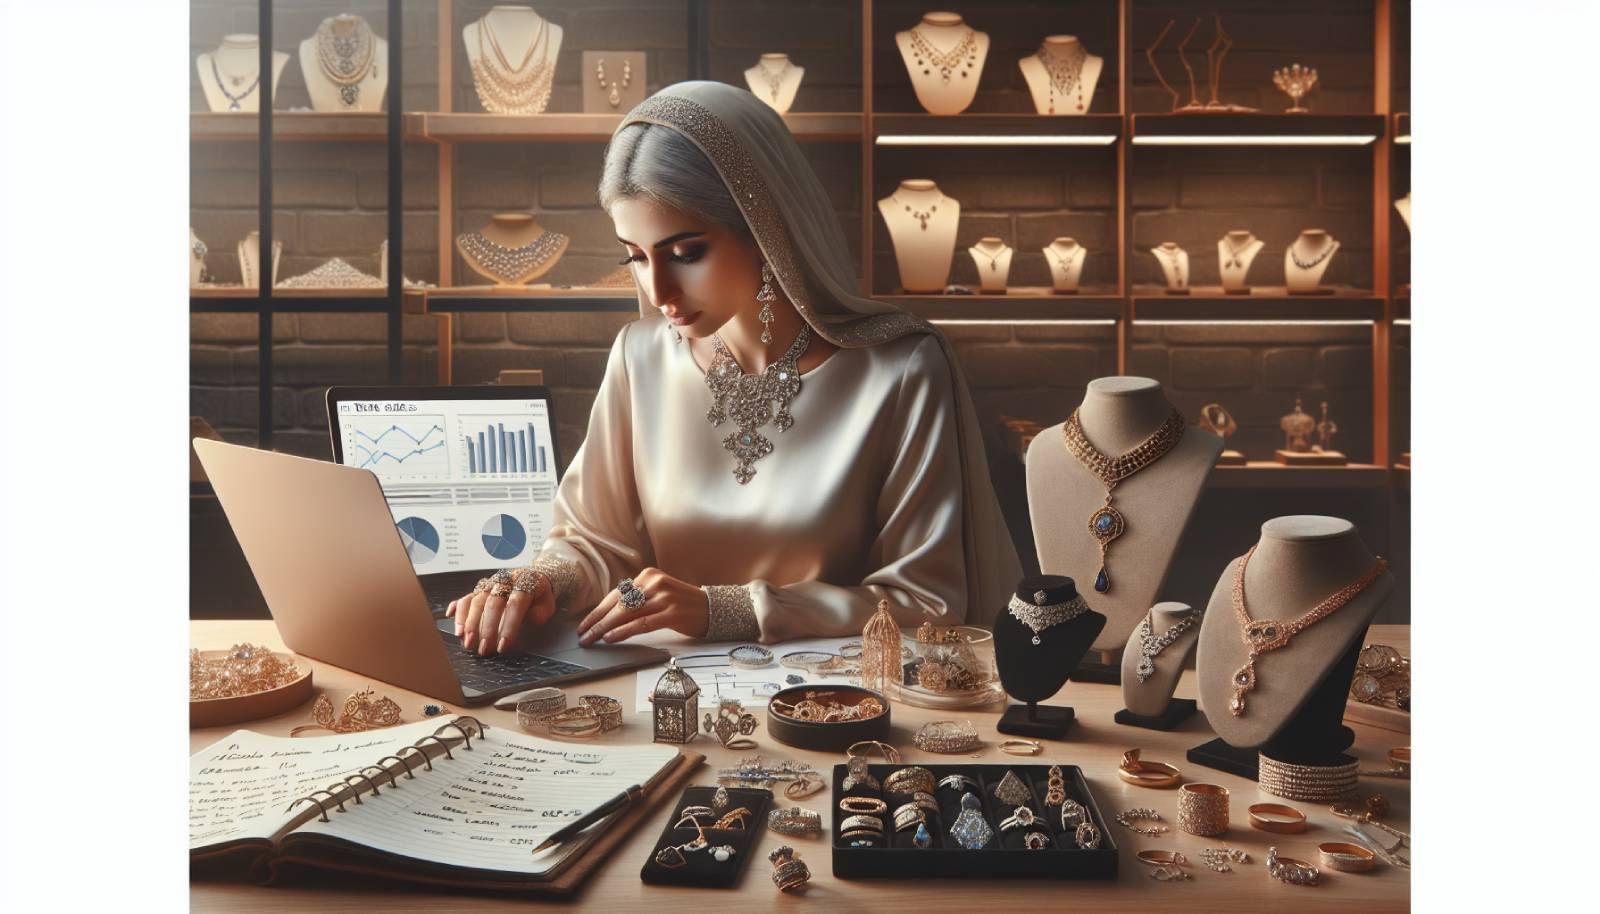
(322, 544)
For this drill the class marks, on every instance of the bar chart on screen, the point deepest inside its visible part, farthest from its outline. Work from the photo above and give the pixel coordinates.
(503, 446)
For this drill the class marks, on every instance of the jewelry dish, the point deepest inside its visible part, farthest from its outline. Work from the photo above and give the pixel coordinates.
(216, 712)
(828, 736)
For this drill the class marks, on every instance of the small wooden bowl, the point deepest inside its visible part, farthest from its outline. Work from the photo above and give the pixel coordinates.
(814, 734)
(216, 712)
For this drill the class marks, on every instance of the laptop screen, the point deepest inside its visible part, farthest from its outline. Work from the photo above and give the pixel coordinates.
(470, 482)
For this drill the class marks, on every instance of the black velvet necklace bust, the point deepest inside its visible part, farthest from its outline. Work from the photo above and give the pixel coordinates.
(1033, 672)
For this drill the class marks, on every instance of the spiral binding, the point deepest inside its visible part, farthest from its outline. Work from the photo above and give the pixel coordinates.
(333, 791)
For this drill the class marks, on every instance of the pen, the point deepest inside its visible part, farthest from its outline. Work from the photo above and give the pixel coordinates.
(566, 833)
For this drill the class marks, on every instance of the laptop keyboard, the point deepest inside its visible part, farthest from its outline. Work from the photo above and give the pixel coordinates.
(494, 673)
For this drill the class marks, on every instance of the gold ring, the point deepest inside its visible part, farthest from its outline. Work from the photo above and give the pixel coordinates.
(804, 786)
(890, 754)
(1020, 747)
(910, 780)
(864, 805)
(1348, 858)
(1276, 817)
(1141, 773)
(1163, 858)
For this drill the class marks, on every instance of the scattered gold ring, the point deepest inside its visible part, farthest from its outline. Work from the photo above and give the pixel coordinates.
(1275, 817)
(1020, 747)
(1348, 858)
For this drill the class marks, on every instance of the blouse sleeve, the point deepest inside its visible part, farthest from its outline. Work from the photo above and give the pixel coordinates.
(918, 548)
(597, 537)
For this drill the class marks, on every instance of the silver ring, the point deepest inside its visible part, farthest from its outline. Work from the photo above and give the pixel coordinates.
(632, 596)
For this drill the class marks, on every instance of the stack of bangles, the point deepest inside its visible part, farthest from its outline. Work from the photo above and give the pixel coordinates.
(535, 709)
(593, 715)
(1309, 783)
(1147, 774)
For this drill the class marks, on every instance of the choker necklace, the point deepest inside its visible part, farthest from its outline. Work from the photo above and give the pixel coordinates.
(1066, 72)
(613, 93)
(919, 215)
(509, 266)
(1236, 254)
(1040, 615)
(1107, 523)
(1308, 264)
(775, 81)
(234, 101)
(1269, 634)
(749, 399)
(946, 61)
(345, 46)
(507, 89)
(1151, 645)
(1179, 277)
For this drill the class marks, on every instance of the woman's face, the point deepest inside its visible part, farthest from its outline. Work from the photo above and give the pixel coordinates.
(698, 274)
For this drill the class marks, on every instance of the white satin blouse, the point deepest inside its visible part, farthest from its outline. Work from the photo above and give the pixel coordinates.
(859, 501)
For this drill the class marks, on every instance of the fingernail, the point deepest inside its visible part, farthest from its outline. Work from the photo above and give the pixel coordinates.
(466, 640)
(458, 628)
(501, 647)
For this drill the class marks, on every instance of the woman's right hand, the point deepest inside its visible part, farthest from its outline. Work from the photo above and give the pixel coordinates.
(490, 624)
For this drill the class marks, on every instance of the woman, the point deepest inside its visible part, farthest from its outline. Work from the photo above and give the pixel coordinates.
(769, 454)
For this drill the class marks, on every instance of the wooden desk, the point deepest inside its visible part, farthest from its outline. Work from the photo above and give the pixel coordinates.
(1096, 744)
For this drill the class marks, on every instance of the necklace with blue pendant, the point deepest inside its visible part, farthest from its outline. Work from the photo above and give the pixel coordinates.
(1107, 523)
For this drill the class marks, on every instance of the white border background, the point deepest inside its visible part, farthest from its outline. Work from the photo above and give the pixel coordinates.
(1506, 267)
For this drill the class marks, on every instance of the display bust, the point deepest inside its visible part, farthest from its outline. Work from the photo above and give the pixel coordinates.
(1061, 76)
(228, 74)
(944, 57)
(345, 65)
(922, 225)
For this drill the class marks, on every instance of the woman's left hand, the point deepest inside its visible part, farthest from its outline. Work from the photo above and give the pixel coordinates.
(669, 603)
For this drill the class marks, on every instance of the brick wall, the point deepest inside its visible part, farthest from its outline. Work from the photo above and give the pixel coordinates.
(330, 202)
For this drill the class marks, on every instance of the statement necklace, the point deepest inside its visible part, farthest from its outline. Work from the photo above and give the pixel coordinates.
(922, 216)
(1327, 251)
(775, 80)
(1107, 523)
(235, 102)
(1151, 645)
(946, 61)
(507, 89)
(509, 265)
(1066, 71)
(345, 46)
(749, 399)
(1040, 614)
(1270, 634)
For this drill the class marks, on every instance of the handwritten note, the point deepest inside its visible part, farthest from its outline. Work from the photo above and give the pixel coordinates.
(240, 786)
(488, 808)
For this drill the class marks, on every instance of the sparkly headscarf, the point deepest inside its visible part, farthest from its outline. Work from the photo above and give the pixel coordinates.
(787, 210)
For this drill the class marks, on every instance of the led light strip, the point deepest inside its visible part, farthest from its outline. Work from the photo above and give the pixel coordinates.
(1265, 140)
(932, 139)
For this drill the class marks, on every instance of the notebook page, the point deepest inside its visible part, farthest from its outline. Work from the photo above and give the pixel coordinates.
(489, 808)
(240, 786)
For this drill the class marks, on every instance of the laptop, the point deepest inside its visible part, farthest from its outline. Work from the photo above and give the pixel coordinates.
(336, 565)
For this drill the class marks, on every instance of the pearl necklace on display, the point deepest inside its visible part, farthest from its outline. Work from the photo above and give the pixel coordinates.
(946, 61)
(509, 265)
(345, 46)
(507, 89)
(1304, 264)
(614, 94)
(1066, 72)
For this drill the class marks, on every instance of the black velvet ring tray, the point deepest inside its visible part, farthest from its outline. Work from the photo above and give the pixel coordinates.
(1003, 856)
(702, 869)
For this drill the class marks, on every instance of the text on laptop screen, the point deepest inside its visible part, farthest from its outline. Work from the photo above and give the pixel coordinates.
(470, 482)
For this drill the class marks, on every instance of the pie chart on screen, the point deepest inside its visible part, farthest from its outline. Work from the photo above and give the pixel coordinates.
(504, 537)
(420, 538)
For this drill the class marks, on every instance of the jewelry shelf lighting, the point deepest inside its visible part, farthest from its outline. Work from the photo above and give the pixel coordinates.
(1118, 304)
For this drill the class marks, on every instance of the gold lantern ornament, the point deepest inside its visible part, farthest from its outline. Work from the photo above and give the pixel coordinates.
(880, 650)
(675, 705)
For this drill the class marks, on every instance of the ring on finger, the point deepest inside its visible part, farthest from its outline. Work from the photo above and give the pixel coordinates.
(482, 586)
(500, 590)
(632, 596)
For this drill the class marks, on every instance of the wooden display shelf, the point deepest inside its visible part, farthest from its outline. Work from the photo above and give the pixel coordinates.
(1256, 129)
(1102, 306)
(451, 127)
(289, 125)
(517, 298)
(1269, 474)
(1265, 304)
(1087, 129)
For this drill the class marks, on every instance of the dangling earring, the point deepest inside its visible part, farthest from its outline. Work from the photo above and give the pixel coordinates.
(677, 337)
(766, 296)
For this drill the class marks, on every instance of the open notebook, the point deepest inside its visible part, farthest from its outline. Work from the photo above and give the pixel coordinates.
(415, 803)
